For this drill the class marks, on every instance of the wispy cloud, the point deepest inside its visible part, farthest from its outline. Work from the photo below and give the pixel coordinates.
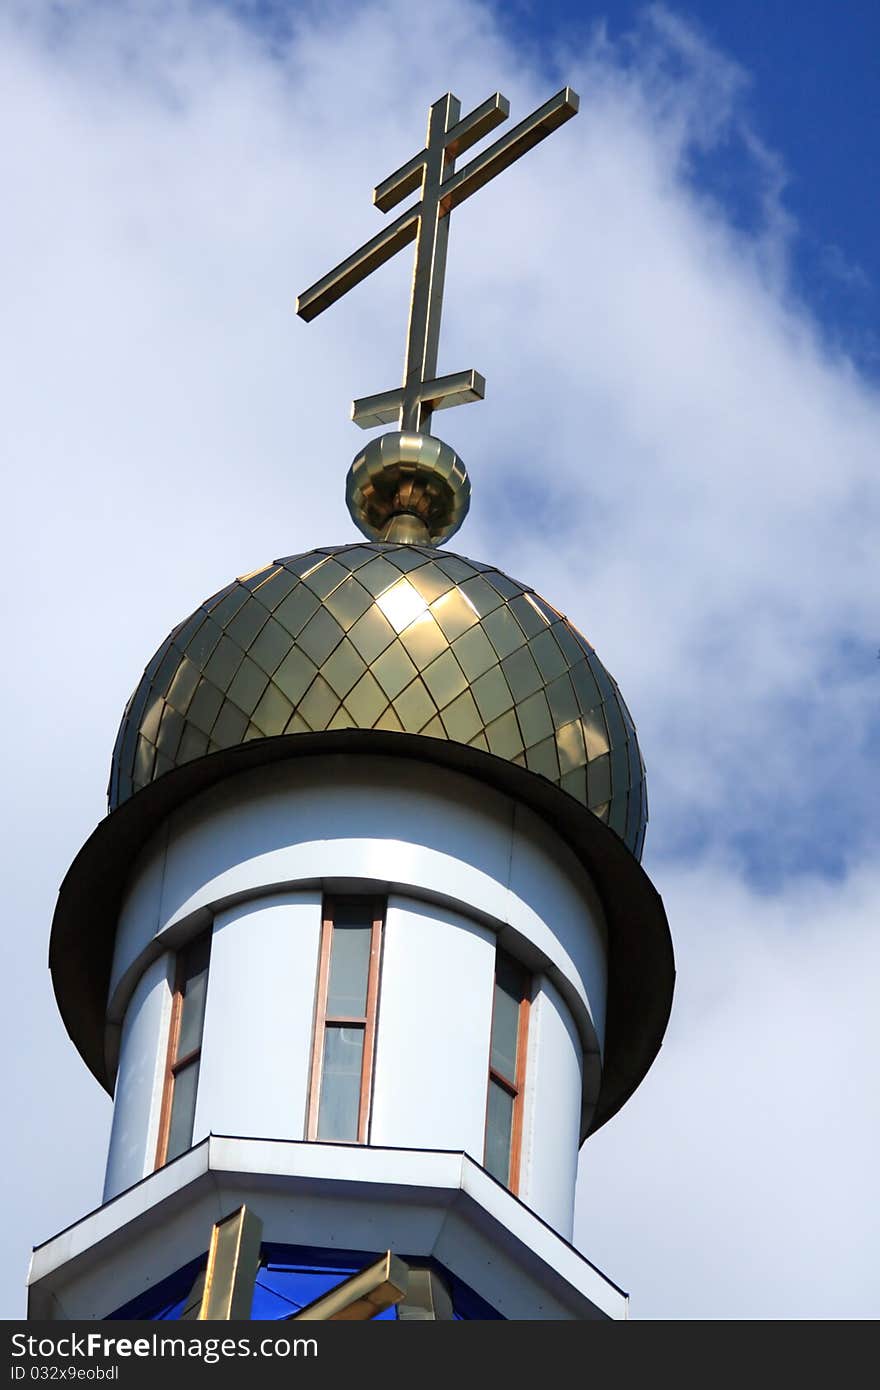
(845, 272)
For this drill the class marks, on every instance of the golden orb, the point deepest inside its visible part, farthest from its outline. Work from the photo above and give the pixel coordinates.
(408, 488)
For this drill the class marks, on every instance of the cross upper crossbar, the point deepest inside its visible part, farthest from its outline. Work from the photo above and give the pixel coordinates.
(427, 223)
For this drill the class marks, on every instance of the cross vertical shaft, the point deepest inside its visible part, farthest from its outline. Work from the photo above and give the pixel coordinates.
(429, 271)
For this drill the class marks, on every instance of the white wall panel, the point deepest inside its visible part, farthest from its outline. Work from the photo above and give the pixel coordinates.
(259, 1017)
(552, 1110)
(432, 1050)
(139, 919)
(138, 1096)
(558, 900)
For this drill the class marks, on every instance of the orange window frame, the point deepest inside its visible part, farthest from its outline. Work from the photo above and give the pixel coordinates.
(173, 1063)
(366, 1020)
(516, 1086)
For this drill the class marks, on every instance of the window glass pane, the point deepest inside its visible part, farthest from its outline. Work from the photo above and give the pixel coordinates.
(341, 1083)
(194, 990)
(183, 1110)
(499, 1128)
(505, 1017)
(349, 961)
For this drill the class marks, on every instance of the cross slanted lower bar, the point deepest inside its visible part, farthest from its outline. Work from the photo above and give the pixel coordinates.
(427, 223)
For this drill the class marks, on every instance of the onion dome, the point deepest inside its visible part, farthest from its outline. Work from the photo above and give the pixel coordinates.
(400, 638)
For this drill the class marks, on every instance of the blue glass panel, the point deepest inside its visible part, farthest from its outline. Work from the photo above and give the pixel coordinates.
(291, 1277)
(280, 1291)
(469, 1306)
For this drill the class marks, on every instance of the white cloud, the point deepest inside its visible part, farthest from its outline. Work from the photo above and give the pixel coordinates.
(740, 1181)
(703, 462)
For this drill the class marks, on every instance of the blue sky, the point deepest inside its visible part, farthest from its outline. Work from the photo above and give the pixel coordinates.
(675, 304)
(811, 92)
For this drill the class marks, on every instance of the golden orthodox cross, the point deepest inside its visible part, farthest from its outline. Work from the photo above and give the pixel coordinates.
(427, 223)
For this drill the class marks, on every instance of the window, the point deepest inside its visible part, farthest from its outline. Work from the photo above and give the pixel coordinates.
(345, 1020)
(507, 1067)
(184, 1050)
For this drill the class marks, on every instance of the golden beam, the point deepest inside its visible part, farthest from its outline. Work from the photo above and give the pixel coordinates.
(427, 223)
(360, 1297)
(226, 1287)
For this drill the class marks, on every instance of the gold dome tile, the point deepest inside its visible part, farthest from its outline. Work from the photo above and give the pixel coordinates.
(402, 638)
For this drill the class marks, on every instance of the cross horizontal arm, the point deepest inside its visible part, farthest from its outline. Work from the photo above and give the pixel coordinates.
(472, 128)
(463, 134)
(458, 388)
(404, 180)
(505, 151)
(359, 265)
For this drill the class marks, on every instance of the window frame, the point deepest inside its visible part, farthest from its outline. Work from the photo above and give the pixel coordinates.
(173, 1063)
(377, 907)
(517, 1087)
